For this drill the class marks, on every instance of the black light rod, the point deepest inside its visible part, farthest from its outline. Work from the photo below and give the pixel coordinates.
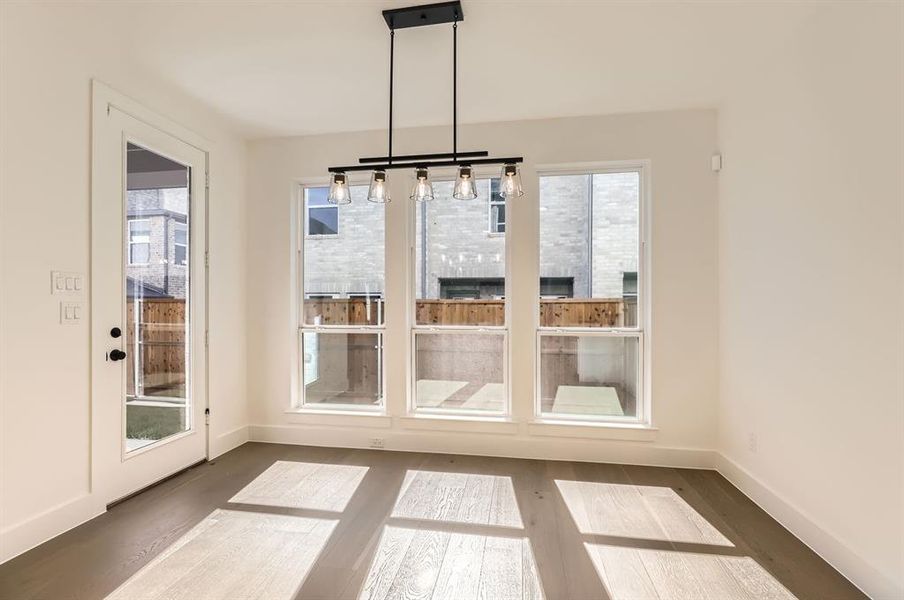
(427, 165)
(410, 157)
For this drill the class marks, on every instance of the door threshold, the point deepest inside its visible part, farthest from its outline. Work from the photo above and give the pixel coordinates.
(155, 484)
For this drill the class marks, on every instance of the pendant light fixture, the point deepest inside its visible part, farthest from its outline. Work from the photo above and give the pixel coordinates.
(465, 185)
(465, 188)
(423, 189)
(510, 182)
(340, 192)
(379, 190)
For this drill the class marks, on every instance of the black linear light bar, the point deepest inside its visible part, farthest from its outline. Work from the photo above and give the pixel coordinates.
(427, 164)
(413, 157)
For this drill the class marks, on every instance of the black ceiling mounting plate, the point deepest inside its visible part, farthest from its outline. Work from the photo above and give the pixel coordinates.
(427, 14)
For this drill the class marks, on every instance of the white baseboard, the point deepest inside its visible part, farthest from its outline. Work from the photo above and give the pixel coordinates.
(37, 529)
(482, 444)
(830, 548)
(230, 440)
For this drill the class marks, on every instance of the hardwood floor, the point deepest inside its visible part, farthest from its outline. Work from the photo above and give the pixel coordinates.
(282, 522)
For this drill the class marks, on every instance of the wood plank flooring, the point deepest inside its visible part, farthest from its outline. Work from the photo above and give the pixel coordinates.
(285, 522)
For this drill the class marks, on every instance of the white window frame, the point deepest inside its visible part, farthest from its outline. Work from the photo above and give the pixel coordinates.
(641, 331)
(412, 409)
(130, 223)
(298, 402)
(307, 215)
(176, 244)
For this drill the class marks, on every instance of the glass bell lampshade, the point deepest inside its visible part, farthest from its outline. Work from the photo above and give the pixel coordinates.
(340, 192)
(510, 182)
(465, 185)
(423, 189)
(379, 190)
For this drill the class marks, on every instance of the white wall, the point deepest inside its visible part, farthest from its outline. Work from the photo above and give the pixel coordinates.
(679, 146)
(49, 54)
(811, 328)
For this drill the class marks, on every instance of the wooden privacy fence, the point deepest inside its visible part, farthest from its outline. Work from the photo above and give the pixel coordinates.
(558, 312)
(159, 348)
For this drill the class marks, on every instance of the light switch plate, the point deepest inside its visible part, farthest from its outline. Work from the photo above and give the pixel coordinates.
(67, 283)
(71, 313)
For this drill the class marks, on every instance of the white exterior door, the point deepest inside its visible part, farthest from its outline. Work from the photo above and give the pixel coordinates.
(148, 298)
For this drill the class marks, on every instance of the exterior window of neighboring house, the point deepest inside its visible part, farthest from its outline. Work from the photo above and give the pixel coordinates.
(340, 311)
(590, 359)
(460, 332)
(557, 287)
(322, 217)
(496, 205)
(139, 241)
(180, 247)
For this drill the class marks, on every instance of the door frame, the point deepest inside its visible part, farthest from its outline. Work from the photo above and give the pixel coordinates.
(104, 99)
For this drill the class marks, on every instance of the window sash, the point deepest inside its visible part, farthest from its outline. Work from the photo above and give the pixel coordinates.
(640, 293)
(640, 383)
(413, 408)
(303, 404)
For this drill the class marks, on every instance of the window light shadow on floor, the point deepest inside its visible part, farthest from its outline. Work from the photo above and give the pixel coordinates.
(636, 511)
(458, 498)
(233, 554)
(646, 573)
(312, 486)
(422, 563)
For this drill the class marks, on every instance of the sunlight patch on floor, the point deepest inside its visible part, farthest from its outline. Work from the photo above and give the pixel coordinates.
(420, 563)
(630, 573)
(636, 511)
(233, 554)
(313, 486)
(458, 498)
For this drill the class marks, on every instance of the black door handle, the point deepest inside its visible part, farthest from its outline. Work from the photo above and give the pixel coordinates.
(117, 354)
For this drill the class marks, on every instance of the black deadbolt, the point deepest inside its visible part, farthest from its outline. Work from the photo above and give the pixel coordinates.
(115, 332)
(117, 354)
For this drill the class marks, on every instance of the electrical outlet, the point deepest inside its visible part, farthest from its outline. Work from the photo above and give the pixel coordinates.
(752, 442)
(377, 443)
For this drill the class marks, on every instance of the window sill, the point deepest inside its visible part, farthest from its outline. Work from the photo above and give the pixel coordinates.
(637, 432)
(339, 417)
(460, 422)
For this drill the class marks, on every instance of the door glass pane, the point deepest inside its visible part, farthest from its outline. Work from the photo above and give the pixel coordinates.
(341, 368)
(460, 371)
(157, 265)
(587, 376)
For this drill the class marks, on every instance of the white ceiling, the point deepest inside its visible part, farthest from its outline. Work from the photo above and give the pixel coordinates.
(281, 68)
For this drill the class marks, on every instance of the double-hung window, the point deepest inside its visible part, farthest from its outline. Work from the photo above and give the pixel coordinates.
(459, 338)
(496, 204)
(591, 332)
(341, 259)
(180, 244)
(139, 241)
(321, 217)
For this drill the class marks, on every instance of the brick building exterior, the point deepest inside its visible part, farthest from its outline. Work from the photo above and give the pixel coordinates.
(157, 242)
